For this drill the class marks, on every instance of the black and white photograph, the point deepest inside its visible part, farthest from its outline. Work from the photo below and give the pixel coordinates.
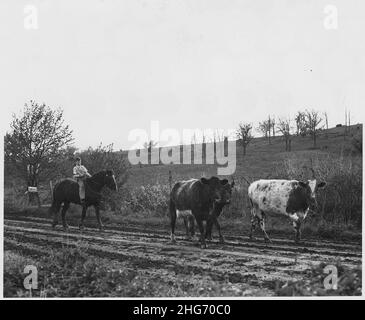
(182, 149)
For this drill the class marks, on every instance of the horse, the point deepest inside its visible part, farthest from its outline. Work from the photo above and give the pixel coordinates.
(67, 191)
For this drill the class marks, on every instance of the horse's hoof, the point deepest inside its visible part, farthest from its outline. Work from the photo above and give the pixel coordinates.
(203, 246)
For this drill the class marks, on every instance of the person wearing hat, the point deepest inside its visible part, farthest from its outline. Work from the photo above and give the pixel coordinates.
(80, 173)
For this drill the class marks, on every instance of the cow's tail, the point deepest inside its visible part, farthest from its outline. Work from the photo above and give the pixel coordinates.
(248, 181)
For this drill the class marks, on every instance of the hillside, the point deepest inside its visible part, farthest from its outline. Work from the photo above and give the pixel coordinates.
(261, 161)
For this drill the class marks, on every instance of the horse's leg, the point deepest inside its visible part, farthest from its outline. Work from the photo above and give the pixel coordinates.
(83, 215)
(55, 208)
(97, 212)
(65, 207)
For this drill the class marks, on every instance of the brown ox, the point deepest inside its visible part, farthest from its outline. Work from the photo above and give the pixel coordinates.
(201, 198)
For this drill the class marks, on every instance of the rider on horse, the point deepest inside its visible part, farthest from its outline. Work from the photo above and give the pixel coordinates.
(80, 173)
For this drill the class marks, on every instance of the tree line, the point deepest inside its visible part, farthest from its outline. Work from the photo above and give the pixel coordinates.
(305, 123)
(39, 144)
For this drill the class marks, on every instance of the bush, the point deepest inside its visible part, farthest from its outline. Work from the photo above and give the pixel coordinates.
(341, 200)
(150, 198)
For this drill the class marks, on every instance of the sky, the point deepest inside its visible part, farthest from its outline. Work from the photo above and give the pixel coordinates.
(116, 65)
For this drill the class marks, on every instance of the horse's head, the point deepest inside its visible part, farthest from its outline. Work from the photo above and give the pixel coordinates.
(109, 180)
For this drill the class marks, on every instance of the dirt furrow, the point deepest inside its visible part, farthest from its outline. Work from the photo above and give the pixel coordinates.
(285, 249)
(265, 266)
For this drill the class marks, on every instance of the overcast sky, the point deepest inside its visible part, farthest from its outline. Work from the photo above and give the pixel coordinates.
(114, 66)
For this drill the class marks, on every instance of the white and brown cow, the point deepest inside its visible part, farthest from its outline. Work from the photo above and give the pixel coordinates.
(290, 198)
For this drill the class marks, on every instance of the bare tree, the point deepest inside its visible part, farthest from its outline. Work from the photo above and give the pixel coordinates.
(267, 127)
(149, 146)
(313, 121)
(244, 135)
(284, 127)
(35, 142)
(301, 124)
(326, 119)
(263, 128)
(272, 123)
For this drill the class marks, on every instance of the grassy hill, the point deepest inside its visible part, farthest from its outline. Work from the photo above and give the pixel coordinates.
(262, 159)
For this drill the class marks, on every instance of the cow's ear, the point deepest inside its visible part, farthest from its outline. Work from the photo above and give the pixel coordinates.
(321, 184)
(224, 181)
(204, 180)
(303, 184)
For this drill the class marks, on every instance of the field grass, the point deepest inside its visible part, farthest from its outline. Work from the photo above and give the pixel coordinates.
(261, 160)
(144, 198)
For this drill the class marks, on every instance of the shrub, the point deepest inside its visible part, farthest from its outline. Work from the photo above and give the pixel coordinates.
(148, 198)
(341, 200)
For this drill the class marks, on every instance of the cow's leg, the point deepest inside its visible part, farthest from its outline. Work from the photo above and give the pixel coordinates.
(192, 226)
(65, 207)
(56, 208)
(262, 226)
(202, 233)
(297, 225)
(186, 223)
(208, 231)
(253, 226)
(213, 220)
(83, 215)
(221, 238)
(98, 219)
(172, 210)
(254, 219)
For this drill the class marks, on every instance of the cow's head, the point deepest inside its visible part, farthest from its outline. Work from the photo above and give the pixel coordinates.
(220, 191)
(311, 187)
(109, 180)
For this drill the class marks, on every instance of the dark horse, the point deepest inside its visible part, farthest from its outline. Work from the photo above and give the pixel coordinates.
(67, 191)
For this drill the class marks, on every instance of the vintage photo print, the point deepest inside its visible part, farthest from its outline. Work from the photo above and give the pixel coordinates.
(186, 149)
